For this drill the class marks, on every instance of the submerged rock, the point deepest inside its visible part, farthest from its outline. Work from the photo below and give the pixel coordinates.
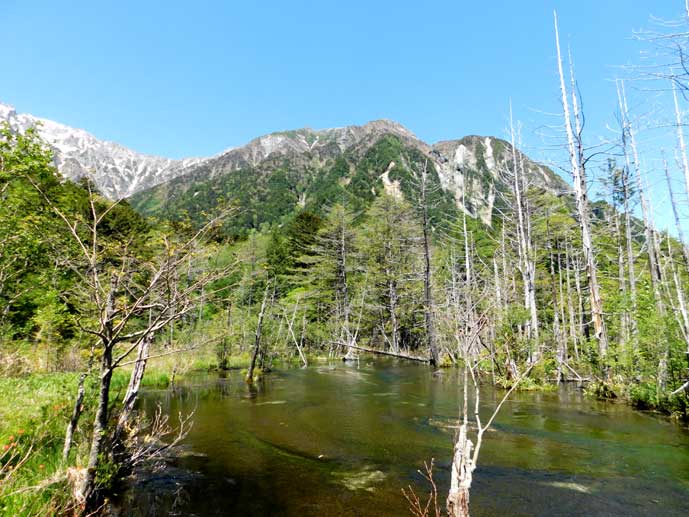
(360, 479)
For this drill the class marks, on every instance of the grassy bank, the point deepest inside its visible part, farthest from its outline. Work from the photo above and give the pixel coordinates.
(34, 413)
(33, 418)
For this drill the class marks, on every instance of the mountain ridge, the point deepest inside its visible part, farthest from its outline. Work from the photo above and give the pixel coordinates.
(470, 169)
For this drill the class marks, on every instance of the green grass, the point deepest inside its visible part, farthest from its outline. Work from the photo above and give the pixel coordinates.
(33, 416)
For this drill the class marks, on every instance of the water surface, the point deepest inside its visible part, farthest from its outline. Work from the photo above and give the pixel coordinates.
(345, 439)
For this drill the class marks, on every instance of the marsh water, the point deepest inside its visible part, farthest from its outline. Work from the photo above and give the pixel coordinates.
(345, 439)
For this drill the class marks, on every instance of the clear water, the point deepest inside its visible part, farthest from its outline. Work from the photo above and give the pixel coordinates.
(345, 439)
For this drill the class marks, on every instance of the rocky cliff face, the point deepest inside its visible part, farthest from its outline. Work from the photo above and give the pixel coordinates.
(475, 168)
(471, 170)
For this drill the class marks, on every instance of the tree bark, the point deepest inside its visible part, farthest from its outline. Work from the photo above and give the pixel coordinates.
(74, 420)
(90, 497)
(134, 385)
(461, 476)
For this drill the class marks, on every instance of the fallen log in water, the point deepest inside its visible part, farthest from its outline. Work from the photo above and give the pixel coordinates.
(391, 354)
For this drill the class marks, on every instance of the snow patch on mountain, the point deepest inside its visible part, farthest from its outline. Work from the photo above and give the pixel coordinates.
(117, 171)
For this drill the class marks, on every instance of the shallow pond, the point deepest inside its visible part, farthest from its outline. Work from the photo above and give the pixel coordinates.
(345, 439)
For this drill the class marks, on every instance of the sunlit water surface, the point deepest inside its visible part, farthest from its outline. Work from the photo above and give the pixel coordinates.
(345, 439)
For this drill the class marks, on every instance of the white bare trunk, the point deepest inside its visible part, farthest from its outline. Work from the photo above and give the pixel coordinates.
(580, 190)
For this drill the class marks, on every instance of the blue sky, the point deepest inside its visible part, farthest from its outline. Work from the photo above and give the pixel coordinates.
(182, 79)
(193, 78)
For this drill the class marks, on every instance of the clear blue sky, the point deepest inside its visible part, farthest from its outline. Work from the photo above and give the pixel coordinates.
(192, 78)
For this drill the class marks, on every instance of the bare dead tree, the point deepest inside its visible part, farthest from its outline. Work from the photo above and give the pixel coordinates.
(127, 300)
(466, 450)
(257, 335)
(427, 280)
(574, 128)
(290, 327)
(629, 137)
(527, 263)
(432, 506)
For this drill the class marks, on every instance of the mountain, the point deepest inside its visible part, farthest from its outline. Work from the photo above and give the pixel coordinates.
(276, 173)
(117, 171)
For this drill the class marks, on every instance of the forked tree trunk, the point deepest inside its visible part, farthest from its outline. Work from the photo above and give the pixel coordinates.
(87, 494)
(257, 340)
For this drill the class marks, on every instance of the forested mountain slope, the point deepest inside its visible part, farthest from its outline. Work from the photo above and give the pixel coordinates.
(277, 173)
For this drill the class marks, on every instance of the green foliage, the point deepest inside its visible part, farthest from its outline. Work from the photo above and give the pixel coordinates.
(647, 396)
(287, 247)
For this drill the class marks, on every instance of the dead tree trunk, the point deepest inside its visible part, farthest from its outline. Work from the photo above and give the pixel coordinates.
(573, 324)
(561, 347)
(257, 339)
(290, 327)
(461, 476)
(678, 226)
(78, 408)
(648, 229)
(681, 316)
(134, 385)
(631, 273)
(392, 308)
(527, 265)
(680, 139)
(74, 420)
(88, 493)
(465, 456)
(577, 162)
(428, 295)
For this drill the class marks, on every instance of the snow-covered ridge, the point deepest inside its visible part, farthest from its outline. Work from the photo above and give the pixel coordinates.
(117, 171)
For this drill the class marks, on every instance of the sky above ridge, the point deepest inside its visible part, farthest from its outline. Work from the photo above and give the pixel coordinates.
(181, 79)
(192, 78)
